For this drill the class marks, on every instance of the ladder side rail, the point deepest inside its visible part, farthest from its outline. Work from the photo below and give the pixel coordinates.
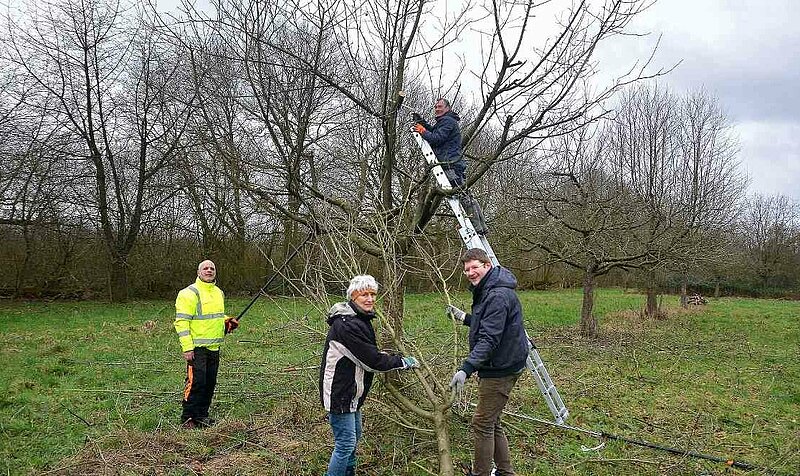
(430, 158)
(546, 377)
(489, 251)
(559, 412)
(548, 388)
(467, 231)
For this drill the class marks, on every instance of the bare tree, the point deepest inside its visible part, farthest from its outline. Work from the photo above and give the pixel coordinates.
(711, 186)
(31, 182)
(579, 214)
(18, 144)
(677, 158)
(770, 228)
(363, 56)
(348, 63)
(646, 157)
(108, 82)
(656, 189)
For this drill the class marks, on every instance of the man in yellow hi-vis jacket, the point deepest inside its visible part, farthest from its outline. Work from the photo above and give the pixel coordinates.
(201, 324)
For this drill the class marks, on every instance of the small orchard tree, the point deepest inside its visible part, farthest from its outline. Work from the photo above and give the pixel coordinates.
(676, 156)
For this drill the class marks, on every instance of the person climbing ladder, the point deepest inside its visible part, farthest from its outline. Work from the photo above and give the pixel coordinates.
(444, 136)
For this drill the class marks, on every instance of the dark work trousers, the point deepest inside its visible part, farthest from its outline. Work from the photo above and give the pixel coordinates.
(470, 205)
(201, 378)
(490, 438)
(455, 177)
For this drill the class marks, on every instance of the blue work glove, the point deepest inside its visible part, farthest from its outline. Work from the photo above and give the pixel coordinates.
(410, 363)
(455, 313)
(458, 381)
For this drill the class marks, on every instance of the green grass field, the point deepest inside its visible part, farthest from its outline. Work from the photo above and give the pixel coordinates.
(93, 388)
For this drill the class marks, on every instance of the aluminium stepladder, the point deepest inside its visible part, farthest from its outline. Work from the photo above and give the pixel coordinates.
(473, 240)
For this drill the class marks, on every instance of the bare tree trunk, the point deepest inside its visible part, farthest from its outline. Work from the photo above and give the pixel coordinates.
(393, 300)
(684, 285)
(291, 240)
(651, 303)
(443, 442)
(118, 286)
(23, 270)
(716, 289)
(588, 321)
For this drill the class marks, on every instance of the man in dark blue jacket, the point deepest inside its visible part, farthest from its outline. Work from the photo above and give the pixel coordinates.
(445, 139)
(498, 349)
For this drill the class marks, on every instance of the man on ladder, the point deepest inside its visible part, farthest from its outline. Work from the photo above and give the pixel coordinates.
(445, 139)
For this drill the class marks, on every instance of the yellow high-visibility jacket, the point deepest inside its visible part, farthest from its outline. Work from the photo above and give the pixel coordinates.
(200, 316)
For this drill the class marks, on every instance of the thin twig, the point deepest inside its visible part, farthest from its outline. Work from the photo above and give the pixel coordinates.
(75, 414)
(613, 460)
(422, 468)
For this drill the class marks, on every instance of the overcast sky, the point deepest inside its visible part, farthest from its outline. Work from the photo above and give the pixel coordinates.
(744, 52)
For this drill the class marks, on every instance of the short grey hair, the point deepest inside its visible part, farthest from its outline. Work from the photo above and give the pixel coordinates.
(360, 283)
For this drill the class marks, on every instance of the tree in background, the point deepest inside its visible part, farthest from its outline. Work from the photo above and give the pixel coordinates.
(677, 158)
(770, 232)
(106, 84)
(653, 189)
(712, 187)
(575, 212)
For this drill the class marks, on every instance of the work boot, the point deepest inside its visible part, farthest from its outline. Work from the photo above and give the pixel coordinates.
(475, 214)
(351, 471)
(189, 424)
(207, 422)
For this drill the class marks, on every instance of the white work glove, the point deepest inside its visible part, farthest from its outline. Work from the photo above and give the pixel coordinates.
(458, 381)
(455, 313)
(410, 363)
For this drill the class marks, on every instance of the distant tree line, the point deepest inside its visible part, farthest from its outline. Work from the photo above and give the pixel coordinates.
(134, 145)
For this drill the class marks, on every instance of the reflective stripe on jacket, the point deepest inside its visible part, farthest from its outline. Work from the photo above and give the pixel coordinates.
(350, 359)
(200, 316)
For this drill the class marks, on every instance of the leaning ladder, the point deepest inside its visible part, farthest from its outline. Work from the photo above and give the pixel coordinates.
(473, 240)
(467, 231)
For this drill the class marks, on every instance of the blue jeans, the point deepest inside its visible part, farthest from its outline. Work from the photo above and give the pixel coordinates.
(346, 433)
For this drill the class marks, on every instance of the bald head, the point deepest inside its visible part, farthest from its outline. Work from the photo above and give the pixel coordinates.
(207, 271)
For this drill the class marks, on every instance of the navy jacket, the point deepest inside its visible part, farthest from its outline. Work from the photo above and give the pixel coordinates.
(497, 340)
(350, 359)
(445, 140)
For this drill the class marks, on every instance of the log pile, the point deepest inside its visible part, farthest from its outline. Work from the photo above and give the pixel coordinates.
(697, 300)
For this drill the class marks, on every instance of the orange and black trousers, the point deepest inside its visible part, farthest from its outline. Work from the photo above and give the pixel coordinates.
(201, 378)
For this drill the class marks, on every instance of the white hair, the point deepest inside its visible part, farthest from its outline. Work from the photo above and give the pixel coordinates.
(360, 283)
